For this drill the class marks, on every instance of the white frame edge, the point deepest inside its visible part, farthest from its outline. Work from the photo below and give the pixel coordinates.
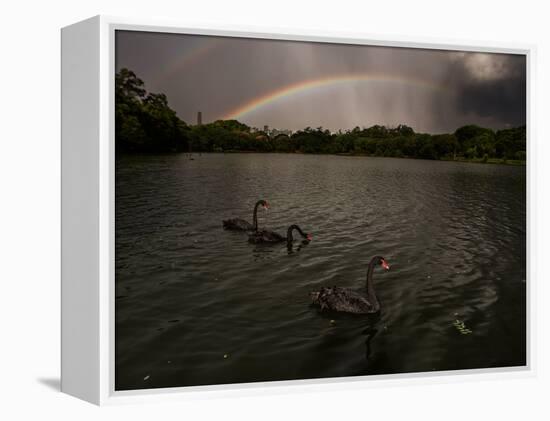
(80, 280)
(88, 125)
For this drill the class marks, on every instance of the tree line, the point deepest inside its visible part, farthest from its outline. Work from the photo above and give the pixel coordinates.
(144, 123)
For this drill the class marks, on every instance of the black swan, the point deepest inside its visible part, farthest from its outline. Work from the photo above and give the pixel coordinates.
(239, 224)
(266, 236)
(347, 300)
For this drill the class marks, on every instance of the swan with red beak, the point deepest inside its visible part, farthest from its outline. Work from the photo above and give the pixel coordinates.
(350, 301)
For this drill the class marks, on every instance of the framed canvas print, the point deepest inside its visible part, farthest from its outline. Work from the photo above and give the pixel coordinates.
(244, 210)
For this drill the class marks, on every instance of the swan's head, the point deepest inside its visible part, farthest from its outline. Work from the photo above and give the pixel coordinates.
(384, 263)
(264, 204)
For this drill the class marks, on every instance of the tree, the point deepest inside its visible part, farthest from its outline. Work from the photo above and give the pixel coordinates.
(143, 121)
(445, 145)
(128, 87)
(510, 141)
(468, 136)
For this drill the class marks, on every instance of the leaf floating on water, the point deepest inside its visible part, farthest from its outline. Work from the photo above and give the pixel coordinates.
(146, 377)
(225, 356)
(461, 327)
(332, 322)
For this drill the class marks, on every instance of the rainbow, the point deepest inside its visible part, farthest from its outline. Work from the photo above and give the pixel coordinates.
(191, 57)
(312, 84)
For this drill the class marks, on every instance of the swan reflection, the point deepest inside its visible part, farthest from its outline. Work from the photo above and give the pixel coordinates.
(370, 333)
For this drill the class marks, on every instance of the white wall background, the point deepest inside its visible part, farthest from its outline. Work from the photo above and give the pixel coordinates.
(30, 222)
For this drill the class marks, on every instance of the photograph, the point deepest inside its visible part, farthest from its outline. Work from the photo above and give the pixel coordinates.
(294, 210)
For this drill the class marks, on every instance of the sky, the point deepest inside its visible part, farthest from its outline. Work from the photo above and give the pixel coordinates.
(293, 85)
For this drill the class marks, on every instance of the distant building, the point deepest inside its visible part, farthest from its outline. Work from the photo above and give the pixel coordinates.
(199, 118)
(277, 132)
(271, 132)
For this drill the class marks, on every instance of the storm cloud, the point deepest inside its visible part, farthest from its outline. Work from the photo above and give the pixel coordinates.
(492, 87)
(292, 85)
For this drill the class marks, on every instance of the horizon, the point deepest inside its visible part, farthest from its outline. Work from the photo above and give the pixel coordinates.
(350, 129)
(291, 85)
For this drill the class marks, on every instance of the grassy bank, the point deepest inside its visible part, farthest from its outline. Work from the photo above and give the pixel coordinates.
(516, 162)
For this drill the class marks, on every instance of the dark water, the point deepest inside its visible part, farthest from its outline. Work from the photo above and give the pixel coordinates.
(198, 305)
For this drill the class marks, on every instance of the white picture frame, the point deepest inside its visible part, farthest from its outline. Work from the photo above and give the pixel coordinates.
(88, 54)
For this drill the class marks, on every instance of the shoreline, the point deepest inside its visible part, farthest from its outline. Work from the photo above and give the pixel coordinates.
(490, 161)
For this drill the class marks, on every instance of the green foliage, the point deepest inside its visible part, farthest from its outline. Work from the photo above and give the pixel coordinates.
(508, 142)
(146, 123)
(445, 145)
(143, 121)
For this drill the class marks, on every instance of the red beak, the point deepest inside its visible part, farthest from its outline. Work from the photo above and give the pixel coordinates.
(309, 237)
(385, 265)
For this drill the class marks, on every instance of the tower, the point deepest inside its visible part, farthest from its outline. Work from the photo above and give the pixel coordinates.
(199, 118)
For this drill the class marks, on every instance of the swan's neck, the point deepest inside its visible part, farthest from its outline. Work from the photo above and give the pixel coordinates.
(371, 294)
(290, 237)
(255, 217)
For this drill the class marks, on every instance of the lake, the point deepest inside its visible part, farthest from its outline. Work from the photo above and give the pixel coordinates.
(198, 305)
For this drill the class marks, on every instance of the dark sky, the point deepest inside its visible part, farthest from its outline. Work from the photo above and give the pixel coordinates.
(292, 85)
